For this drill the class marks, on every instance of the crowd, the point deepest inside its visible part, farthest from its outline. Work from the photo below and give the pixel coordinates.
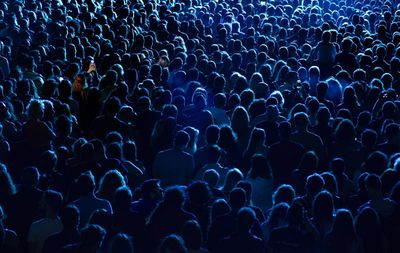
(199, 126)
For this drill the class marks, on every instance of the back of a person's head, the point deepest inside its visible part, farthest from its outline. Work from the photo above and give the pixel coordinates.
(367, 224)
(245, 219)
(285, 129)
(102, 218)
(121, 243)
(69, 216)
(212, 134)
(149, 188)
(181, 139)
(301, 120)
(323, 206)
(314, 184)
(173, 243)
(92, 237)
(211, 177)
(86, 183)
(338, 166)
(232, 177)
(392, 131)
(30, 177)
(260, 167)
(111, 181)
(343, 226)
(174, 197)
(199, 193)
(369, 138)
(284, 193)
(122, 198)
(192, 235)
(237, 197)
(373, 183)
(53, 200)
(276, 217)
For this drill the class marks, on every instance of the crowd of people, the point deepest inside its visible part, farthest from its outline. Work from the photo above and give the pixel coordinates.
(199, 126)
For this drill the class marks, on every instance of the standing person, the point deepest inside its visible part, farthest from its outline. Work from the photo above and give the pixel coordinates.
(261, 181)
(178, 172)
(324, 54)
(342, 237)
(40, 230)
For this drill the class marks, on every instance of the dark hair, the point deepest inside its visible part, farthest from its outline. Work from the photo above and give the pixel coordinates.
(192, 235)
(260, 167)
(69, 216)
(173, 243)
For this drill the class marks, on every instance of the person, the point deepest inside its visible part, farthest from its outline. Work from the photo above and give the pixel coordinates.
(151, 194)
(121, 243)
(91, 239)
(284, 155)
(29, 197)
(169, 216)
(296, 236)
(243, 240)
(9, 242)
(69, 217)
(193, 237)
(173, 243)
(41, 229)
(368, 229)
(261, 181)
(87, 203)
(342, 237)
(181, 171)
(276, 219)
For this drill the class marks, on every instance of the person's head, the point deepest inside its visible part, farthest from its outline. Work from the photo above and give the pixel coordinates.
(129, 151)
(86, 183)
(343, 226)
(192, 235)
(345, 131)
(122, 199)
(276, 217)
(373, 185)
(260, 167)
(174, 197)
(285, 130)
(212, 134)
(367, 224)
(151, 189)
(52, 201)
(69, 217)
(35, 109)
(314, 184)
(181, 139)
(338, 166)
(232, 178)
(121, 243)
(323, 207)
(91, 238)
(237, 198)
(30, 177)
(285, 193)
(211, 177)
(109, 183)
(102, 218)
(199, 193)
(173, 243)
(245, 219)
